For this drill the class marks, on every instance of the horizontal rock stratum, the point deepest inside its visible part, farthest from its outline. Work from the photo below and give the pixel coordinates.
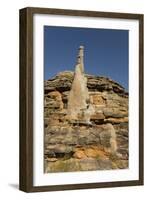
(79, 146)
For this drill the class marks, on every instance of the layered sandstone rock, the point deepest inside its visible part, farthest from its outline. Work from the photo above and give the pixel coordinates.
(81, 146)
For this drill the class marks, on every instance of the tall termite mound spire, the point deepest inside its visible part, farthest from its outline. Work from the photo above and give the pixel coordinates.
(79, 107)
(80, 58)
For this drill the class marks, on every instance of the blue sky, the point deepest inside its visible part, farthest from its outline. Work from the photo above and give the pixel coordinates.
(106, 51)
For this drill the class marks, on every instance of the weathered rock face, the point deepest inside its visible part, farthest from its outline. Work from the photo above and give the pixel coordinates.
(79, 147)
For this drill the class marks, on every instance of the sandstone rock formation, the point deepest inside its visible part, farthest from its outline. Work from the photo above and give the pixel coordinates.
(75, 147)
(85, 122)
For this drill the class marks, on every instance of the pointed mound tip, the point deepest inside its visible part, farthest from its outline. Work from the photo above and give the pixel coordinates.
(81, 47)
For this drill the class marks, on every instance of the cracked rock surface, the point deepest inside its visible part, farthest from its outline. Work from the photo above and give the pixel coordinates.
(79, 146)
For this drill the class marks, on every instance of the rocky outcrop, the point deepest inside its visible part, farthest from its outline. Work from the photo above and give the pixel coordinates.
(71, 146)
